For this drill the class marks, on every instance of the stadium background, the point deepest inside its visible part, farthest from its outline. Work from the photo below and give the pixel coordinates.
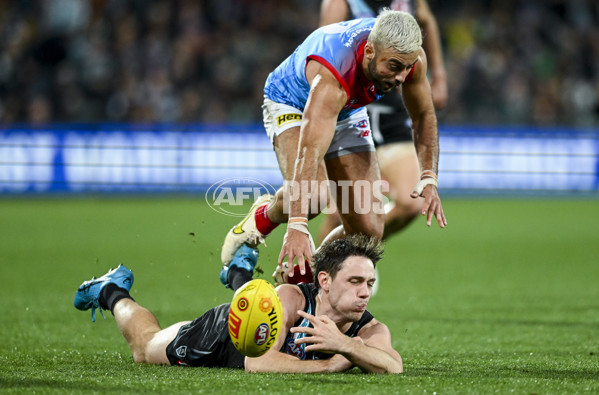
(81, 81)
(509, 62)
(117, 116)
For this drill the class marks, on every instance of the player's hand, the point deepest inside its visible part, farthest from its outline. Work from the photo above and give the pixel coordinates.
(296, 244)
(324, 336)
(432, 205)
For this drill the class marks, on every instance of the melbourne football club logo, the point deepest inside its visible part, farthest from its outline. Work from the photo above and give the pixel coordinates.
(231, 196)
(362, 124)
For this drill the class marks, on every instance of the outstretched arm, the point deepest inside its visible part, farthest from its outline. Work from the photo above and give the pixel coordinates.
(325, 100)
(416, 93)
(277, 362)
(372, 351)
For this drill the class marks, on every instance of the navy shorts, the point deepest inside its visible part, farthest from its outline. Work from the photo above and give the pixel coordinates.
(206, 342)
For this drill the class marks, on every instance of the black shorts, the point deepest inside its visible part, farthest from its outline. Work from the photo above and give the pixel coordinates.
(206, 342)
(389, 120)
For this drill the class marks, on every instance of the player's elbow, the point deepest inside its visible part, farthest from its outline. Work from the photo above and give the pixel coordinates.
(253, 365)
(389, 366)
(248, 366)
(399, 365)
(397, 368)
(395, 371)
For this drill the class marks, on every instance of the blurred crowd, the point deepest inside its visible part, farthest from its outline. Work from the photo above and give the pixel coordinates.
(532, 62)
(144, 61)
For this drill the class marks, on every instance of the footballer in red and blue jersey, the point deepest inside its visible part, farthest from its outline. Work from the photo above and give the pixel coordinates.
(340, 48)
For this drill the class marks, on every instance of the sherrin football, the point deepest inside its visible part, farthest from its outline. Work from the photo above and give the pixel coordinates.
(255, 318)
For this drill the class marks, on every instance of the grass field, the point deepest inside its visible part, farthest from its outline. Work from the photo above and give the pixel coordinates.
(505, 299)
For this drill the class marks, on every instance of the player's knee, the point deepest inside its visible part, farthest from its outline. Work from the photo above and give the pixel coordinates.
(376, 229)
(373, 225)
(413, 208)
(405, 207)
(139, 352)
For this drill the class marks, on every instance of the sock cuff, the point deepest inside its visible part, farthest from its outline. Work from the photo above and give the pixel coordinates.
(263, 223)
(238, 277)
(111, 294)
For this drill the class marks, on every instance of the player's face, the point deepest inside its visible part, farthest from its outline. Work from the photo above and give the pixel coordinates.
(351, 288)
(389, 69)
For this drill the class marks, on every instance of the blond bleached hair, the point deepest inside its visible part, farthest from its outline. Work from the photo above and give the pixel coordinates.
(397, 30)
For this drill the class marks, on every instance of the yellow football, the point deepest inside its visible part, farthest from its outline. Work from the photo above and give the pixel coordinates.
(255, 318)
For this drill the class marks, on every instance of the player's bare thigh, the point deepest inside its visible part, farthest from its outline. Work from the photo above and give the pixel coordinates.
(156, 347)
(363, 189)
(286, 147)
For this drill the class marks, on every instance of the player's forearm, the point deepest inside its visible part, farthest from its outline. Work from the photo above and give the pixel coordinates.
(426, 141)
(324, 102)
(305, 178)
(279, 362)
(315, 136)
(371, 359)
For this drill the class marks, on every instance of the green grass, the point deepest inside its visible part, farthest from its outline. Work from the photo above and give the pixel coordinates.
(505, 299)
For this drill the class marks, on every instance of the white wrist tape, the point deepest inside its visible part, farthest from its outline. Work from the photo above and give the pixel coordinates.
(299, 226)
(422, 183)
(297, 219)
(428, 173)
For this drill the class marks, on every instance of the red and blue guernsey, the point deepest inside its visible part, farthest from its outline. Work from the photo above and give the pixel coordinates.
(340, 48)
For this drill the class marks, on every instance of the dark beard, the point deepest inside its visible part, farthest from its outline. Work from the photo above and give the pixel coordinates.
(382, 90)
(379, 89)
(378, 86)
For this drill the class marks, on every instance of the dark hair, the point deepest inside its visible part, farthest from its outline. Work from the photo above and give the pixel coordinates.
(330, 256)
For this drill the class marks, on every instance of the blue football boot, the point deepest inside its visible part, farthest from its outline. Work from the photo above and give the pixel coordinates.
(245, 257)
(88, 294)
